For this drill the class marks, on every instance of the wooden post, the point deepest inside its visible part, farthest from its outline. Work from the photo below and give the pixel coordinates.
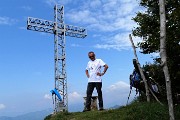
(163, 55)
(155, 96)
(140, 70)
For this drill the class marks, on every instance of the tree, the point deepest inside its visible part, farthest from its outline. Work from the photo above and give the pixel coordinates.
(148, 29)
(164, 56)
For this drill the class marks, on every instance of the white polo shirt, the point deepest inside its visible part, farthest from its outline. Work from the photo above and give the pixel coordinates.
(94, 67)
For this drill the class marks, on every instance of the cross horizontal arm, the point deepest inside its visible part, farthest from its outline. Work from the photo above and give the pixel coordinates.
(74, 31)
(41, 25)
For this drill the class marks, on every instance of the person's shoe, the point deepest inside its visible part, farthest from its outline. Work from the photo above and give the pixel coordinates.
(101, 109)
(85, 110)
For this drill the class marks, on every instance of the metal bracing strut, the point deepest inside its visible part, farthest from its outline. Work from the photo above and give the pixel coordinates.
(60, 30)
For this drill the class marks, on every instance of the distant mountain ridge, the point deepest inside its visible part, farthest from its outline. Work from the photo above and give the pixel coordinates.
(115, 107)
(38, 115)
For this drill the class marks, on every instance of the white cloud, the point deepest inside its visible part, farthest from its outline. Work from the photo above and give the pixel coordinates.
(54, 2)
(7, 21)
(119, 92)
(81, 16)
(111, 14)
(95, 3)
(2, 106)
(108, 47)
(28, 8)
(47, 96)
(118, 42)
(119, 86)
(51, 2)
(110, 19)
(75, 97)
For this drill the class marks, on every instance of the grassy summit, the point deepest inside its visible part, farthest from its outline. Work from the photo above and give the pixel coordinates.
(135, 111)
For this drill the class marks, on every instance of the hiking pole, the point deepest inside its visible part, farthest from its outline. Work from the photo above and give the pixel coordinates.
(129, 95)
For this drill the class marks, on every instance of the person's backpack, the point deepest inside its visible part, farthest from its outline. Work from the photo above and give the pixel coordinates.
(136, 76)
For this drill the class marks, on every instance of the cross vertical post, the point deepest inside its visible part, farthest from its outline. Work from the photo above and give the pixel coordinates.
(60, 58)
(60, 30)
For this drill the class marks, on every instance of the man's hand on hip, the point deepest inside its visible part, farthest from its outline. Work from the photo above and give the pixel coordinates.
(100, 74)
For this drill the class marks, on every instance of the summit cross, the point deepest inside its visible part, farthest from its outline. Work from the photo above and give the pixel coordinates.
(60, 30)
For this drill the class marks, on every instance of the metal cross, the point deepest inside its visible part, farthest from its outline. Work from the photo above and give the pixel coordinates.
(60, 30)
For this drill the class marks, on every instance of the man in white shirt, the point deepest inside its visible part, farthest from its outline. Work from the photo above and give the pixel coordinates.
(93, 72)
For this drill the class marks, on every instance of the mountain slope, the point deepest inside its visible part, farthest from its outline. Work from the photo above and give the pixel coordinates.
(135, 111)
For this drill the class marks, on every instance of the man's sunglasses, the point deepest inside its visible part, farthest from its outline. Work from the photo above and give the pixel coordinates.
(91, 56)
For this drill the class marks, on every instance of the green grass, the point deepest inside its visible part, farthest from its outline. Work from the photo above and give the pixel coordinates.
(135, 111)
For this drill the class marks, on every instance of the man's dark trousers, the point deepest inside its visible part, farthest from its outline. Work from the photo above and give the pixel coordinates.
(90, 88)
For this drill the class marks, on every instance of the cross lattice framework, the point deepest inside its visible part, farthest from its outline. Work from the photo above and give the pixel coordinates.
(60, 30)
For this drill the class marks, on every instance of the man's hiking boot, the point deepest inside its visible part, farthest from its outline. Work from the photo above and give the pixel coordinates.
(101, 109)
(85, 110)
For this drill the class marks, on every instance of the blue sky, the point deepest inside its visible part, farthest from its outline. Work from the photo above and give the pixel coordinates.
(27, 57)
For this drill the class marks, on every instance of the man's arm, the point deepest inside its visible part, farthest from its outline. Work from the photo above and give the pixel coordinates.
(87, 73)
(104, 71)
